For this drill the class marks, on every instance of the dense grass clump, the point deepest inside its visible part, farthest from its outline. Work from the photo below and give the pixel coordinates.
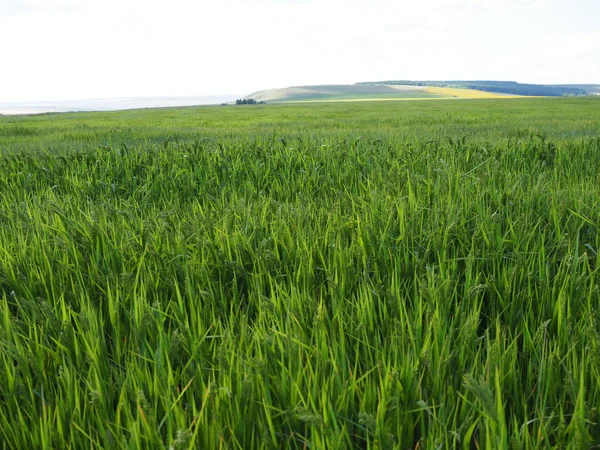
(390, 275)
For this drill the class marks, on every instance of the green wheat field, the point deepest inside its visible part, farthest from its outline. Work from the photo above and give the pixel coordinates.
(385, 275)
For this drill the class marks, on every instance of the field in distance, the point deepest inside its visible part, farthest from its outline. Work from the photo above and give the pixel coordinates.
(407, 89)
(394, 275)
(358, 92)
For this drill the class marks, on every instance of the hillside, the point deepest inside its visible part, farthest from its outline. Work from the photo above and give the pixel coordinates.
(502, 87)
(406, 89)
(340, 93)
(593, 89)
(366, 92)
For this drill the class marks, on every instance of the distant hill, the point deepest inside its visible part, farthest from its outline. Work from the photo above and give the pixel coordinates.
(367, 92)
(593, 89)
(408, 89)
(340, 92)
(503, 87)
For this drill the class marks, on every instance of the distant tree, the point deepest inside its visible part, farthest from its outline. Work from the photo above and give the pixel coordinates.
(248, 101)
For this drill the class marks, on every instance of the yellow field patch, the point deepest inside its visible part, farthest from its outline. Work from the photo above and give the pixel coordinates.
(467, 93)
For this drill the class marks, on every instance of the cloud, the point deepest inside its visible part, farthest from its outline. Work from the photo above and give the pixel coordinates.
(144, 48)
(273, 2)
(11, 9)
(406, 25)
(362, 41)
(14, 8)
(477, 8)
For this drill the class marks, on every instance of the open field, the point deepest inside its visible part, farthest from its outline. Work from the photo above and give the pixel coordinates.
(382, 91)
(340, 275)
(466, 93)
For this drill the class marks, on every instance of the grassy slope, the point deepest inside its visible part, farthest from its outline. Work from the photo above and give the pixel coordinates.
(339, 92)
(340, 275)
(505, 87)
(332, 93)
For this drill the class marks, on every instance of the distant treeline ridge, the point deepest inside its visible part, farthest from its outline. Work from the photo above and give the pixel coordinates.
(502, 87)
(248, 101)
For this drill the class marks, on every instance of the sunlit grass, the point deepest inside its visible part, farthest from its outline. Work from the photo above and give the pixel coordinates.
(386, 275)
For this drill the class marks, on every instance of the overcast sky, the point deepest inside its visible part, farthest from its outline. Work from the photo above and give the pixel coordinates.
(81, 49)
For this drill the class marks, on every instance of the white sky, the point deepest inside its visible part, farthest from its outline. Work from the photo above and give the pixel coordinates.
(78, 49)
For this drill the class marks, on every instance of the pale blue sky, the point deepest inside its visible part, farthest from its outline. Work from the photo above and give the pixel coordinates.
(80, 49)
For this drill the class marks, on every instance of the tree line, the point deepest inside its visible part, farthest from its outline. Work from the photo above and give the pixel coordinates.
(248, 101)
(503, 87)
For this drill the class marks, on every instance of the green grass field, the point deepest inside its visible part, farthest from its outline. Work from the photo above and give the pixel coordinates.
(404, 275)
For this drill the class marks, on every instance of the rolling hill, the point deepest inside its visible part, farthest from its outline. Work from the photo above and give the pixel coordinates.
(404, 90)
(502, 87)
(364, 92)
(592, 89)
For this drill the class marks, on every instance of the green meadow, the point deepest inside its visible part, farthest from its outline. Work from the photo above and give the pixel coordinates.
(369, 275)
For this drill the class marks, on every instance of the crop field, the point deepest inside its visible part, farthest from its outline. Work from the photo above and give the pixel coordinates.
(385, 275)
(466, 93)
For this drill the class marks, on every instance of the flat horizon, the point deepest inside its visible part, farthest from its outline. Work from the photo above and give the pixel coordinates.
(157, 101)
(221, 95)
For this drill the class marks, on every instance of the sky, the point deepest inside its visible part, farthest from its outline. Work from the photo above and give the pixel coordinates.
(88, 49)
